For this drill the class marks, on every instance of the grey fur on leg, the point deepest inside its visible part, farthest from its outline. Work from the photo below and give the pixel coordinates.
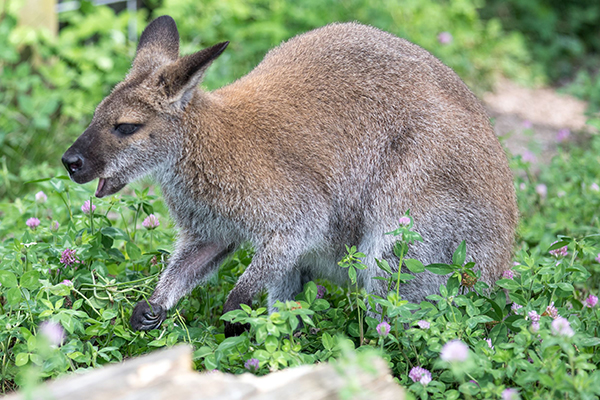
(268, 270)
(187, 269)
(292, 284)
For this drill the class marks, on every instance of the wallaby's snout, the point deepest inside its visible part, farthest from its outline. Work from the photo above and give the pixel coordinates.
(79, 160)
(72, 162)
(78, 166)
(85, 161)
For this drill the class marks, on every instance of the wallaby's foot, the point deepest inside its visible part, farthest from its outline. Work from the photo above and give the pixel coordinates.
(235, 329)
(147, 317)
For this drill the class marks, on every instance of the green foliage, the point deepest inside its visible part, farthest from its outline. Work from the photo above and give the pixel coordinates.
(352, 261)
(50, 84)
(560, 34)
(586, 86)
(562, 37)
(553, 213)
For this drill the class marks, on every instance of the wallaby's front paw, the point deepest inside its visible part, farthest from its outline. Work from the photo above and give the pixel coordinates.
(147, 317)
(235, 329)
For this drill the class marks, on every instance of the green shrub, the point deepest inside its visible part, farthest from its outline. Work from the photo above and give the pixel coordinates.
(562, 37)
(50, 86)
(586, 86)
(560, 34)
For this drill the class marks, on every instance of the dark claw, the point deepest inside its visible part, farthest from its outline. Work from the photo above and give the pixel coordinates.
(235, 329)
(147, 316)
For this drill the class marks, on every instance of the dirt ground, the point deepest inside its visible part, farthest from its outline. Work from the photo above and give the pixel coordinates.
(533, 121)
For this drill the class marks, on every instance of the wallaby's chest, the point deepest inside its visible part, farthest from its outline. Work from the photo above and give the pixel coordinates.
(193, 214)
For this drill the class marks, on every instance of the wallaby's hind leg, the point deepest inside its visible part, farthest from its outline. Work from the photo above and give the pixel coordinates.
(271, 268)
(425, 282)
(190, 264)
(282, 290)
(291, 284)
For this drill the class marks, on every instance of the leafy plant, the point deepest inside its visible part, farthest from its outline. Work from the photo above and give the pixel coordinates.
(352, 262)
(562, 35)
(52, 84)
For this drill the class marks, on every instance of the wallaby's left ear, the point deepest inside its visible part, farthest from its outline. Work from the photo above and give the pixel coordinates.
(178, 80)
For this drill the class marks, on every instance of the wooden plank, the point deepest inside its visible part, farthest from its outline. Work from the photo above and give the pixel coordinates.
(39, 14)
(167, 374)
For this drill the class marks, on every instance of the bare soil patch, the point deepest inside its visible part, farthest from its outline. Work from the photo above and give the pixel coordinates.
(530, 119)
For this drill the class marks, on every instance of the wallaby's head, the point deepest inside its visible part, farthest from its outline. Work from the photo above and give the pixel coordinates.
(134, 128)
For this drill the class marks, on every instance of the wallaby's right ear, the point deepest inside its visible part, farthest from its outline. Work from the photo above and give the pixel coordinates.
(177, 81)
(159, 44)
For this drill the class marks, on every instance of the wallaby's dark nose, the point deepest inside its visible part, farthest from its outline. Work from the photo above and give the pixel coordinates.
(72, 162)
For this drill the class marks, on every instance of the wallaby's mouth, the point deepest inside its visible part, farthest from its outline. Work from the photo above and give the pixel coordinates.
(101, 183)
(108, 186)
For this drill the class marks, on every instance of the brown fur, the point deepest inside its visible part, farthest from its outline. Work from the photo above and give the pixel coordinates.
(330, 139)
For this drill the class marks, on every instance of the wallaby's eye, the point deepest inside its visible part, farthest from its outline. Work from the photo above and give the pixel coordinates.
(127, 129)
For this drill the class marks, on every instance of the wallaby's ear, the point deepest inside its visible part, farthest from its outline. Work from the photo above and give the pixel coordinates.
(178, 80)
(159, 43)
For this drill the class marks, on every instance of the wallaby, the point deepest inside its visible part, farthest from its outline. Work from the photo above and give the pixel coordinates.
(327, 142)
